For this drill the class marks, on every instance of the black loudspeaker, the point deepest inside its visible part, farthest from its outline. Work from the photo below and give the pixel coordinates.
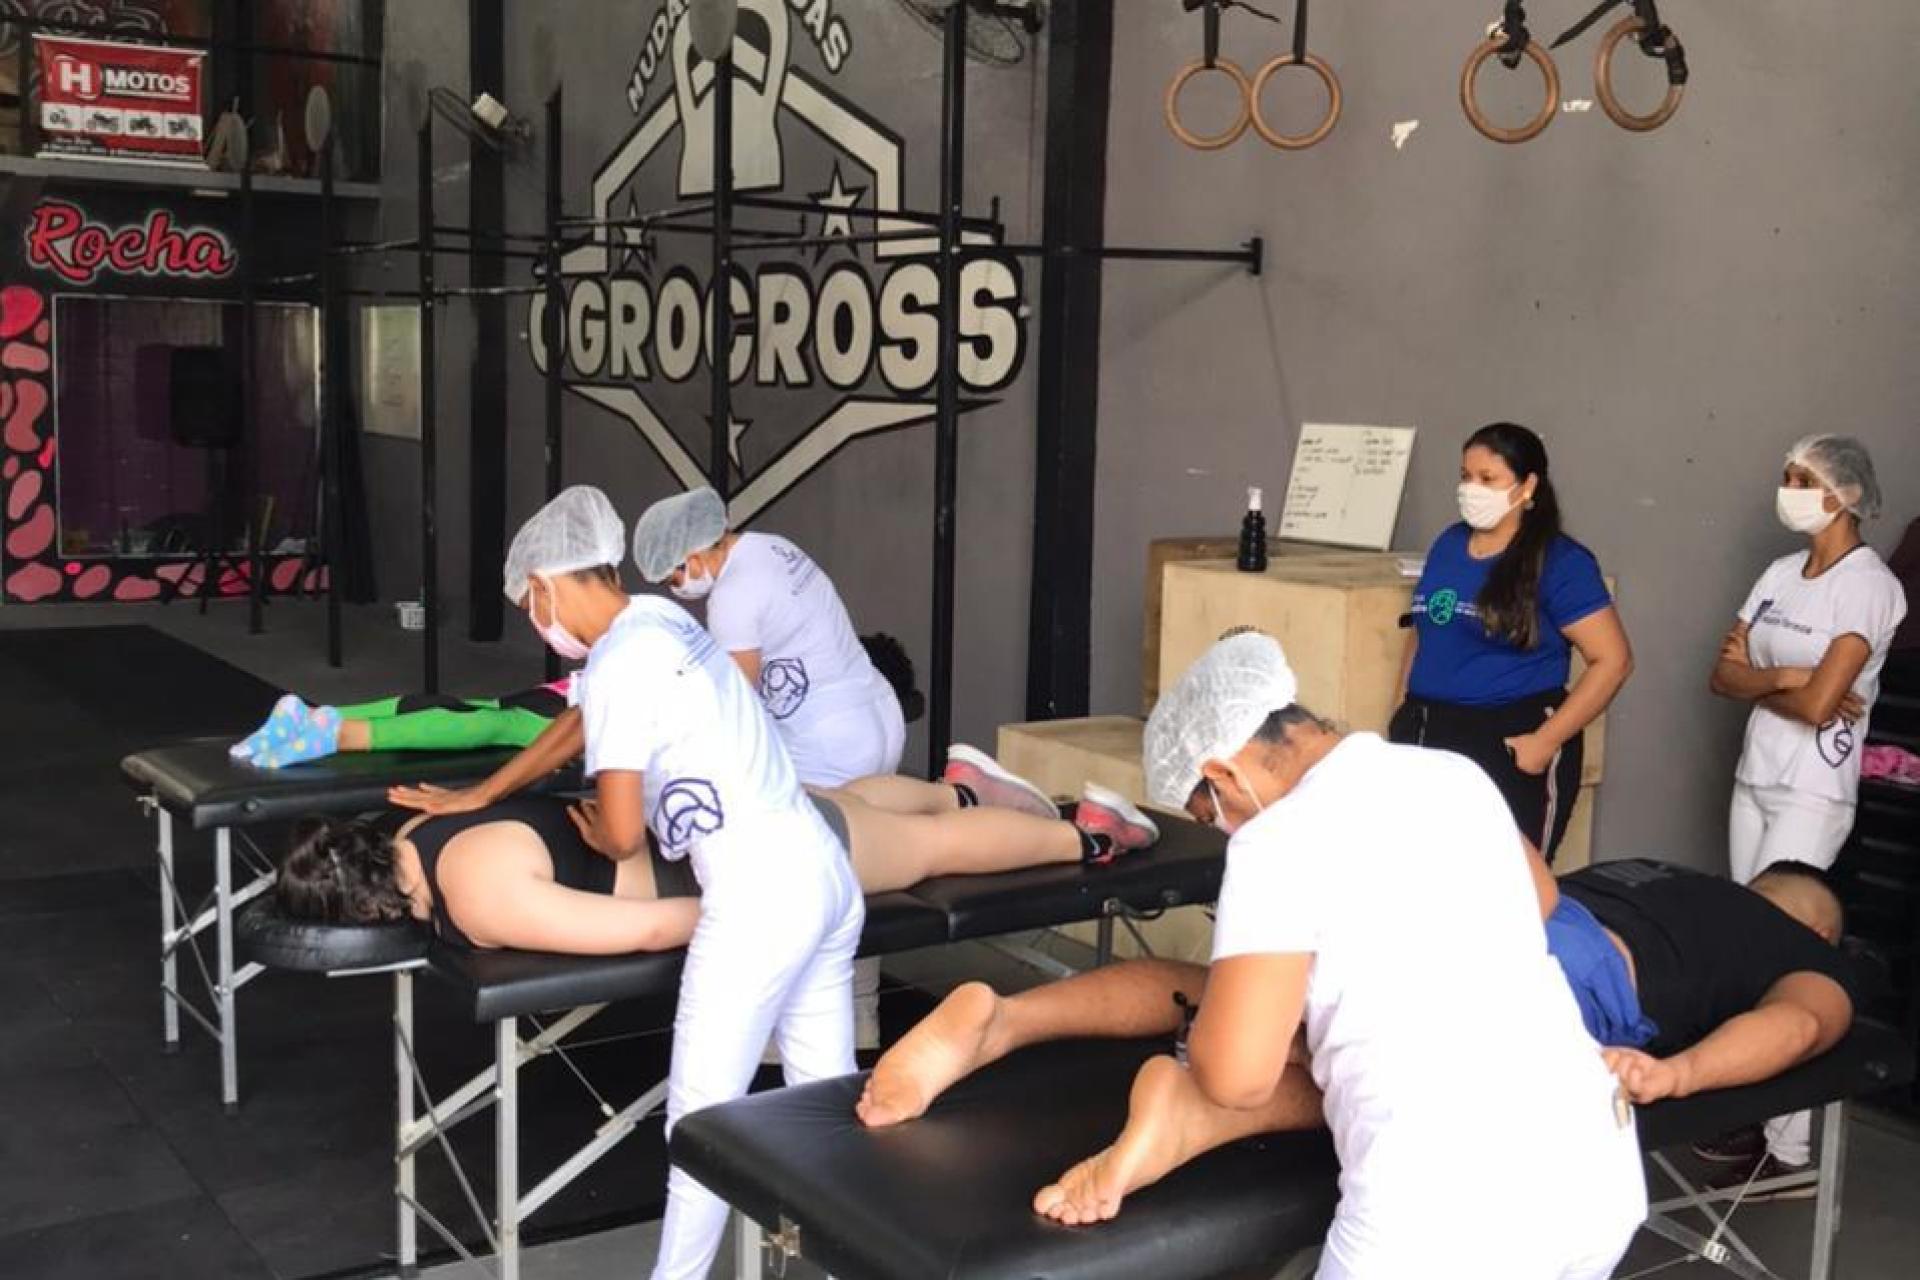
(203, 398)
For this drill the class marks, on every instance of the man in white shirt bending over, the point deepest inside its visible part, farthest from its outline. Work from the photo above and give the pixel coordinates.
(1378, 900)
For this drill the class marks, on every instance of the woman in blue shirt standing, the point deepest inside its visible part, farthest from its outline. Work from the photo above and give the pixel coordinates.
(1504, 600)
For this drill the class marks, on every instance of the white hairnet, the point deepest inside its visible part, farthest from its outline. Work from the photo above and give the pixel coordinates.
(1843, 465)
(674, 528)
(1212, 711)
(579, 529)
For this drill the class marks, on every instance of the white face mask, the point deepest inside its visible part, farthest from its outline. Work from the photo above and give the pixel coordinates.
(1803, 510)
(1483, 506)
(562, 641)
(690, 587)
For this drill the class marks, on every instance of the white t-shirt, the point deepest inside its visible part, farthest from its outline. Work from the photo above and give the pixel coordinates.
(1442, 1032)
(771, 596)
(658, 697)
(1791, 620)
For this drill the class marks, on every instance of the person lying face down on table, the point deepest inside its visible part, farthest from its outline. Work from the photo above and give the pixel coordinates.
(1693, 982)
(519, 873)
(1369, 887)
(297, 732)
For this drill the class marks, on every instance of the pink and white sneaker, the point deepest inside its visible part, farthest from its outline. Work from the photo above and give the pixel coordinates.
(994, 786)
(1104, 812)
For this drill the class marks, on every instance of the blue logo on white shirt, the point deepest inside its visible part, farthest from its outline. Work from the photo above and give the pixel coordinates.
(689, 808)
(783, 686)
(1835, 740)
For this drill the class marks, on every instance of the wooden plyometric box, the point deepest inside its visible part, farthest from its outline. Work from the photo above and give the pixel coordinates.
(1162, 552)
(1337, 614)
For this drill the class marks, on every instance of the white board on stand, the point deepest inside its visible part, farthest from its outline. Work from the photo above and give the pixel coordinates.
(1346, 484)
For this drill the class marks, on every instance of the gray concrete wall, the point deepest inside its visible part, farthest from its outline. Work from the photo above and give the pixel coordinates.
(1670, 311)
(866, 513)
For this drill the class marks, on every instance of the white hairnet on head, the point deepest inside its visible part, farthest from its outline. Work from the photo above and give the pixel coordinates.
(579, 529)
(1212, 711)
(1843, 465)
(674, 528)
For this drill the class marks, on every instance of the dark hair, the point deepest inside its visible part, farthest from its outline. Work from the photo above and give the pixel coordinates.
(1793, 869)
(1510, 602)
(340, 873)
(1273, 730)
(889, 658)
(605, 574)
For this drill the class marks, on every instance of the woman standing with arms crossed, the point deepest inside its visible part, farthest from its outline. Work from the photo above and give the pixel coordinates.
(1504, 600)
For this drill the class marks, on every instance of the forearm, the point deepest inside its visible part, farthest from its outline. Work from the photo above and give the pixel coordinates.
(1742, 683)
(1752, 1047)
(1805, 704)
(1585, 701)
(560, 743)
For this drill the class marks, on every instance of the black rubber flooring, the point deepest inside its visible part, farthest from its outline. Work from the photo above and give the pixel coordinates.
(116, 1159)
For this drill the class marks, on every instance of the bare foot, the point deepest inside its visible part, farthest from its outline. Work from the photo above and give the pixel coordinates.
(947, 1044)
(1147, 1150)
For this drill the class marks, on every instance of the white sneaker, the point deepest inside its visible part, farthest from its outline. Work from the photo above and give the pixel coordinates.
(994, 786)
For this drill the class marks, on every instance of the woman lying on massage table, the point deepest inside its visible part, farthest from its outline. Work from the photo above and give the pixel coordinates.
(521, 873)
(1378, 898)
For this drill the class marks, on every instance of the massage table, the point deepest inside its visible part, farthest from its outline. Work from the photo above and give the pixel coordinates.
(196, 784)
(556, 996)
(949, 1195)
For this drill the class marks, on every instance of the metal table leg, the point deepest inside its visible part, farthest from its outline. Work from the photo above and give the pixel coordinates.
(169, 962)
(224, 992)
(1833, 1168)
(405, 1190)
(506, 1057)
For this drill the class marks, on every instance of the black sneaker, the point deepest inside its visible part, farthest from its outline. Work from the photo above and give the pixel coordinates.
(1737, 1146)
(1763, 1168)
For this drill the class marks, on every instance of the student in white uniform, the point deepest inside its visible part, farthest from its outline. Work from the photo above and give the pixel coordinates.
(677, 741)
(1379, 899)
(777, 613)
(1806, 650)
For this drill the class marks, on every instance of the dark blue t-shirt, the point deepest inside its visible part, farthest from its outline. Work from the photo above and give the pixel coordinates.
(1457, 660)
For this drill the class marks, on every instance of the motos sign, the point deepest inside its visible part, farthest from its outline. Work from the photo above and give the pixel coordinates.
(833, 339)
(116, 101)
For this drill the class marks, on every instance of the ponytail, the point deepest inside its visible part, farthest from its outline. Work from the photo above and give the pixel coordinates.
(1510, 602)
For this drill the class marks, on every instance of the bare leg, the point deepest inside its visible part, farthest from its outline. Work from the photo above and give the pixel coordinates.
(973, 1027)
(355, 735)
(1169, 1122)
(898, 794)
(892, 850)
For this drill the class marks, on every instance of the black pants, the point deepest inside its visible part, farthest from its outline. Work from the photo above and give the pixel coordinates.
(1542, 804)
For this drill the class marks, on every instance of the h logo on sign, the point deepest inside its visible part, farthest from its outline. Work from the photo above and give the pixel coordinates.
(81, 79)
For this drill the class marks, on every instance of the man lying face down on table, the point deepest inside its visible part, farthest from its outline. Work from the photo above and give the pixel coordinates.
(1695, 982)
(1372, 891)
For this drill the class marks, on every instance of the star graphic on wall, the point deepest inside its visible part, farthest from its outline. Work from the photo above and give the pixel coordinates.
(639, 240)
(835, 201)
(736, 427)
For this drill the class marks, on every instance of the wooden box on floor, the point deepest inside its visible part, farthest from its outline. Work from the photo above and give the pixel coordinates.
(1162, 552)
(1060, 757)
(1337, 614)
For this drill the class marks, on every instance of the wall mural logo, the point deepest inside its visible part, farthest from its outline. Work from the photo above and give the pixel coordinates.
(832, 341)
(63, 239)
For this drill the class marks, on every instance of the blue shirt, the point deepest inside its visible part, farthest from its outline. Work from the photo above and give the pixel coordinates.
(1459, 662)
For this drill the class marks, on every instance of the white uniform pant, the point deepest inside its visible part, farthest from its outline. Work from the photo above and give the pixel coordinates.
(858, 741)
(1779, 824)
(772, 955)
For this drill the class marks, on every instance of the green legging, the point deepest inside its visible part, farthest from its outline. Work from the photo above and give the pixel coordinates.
(418, 722)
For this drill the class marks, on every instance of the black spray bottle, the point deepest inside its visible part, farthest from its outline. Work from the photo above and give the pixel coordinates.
(1253, 537)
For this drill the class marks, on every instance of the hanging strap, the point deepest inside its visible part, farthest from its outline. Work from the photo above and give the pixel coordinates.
(1656, 39)
(1300, 30)
(1513, 24)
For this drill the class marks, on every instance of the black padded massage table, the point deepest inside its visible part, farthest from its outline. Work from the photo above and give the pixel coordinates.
(558, 995)
(949, 1195)
(196, 784)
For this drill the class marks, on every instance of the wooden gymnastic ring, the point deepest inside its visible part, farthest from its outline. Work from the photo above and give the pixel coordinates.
(1603, 82)
(1214, 142)
(1296, 141)
(1469, 103)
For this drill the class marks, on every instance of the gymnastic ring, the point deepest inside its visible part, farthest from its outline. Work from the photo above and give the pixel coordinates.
(1296, 141)
(1470, 103)
(1603, 82)
(1212, 142)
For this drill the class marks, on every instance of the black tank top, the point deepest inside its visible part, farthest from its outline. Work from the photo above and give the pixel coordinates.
(575, 866)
